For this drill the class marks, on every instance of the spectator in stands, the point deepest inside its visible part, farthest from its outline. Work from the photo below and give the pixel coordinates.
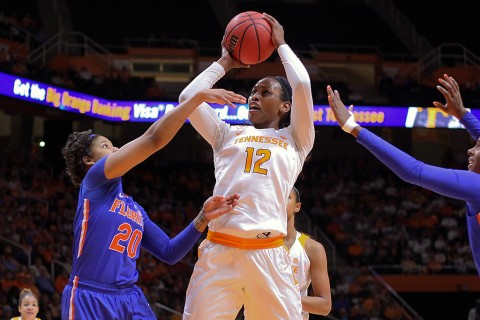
(61, 280)
(9, 260)
(7, 312)
(28, 23)
(309, 263)
(44, 282)
(262, 161)
(37, 267)
(110, 227)
(27, 306)
(25, 280)
(458, 184)
(474, 313)
(53, 307)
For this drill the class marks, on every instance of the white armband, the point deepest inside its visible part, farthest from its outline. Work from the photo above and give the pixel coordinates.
(349, 124)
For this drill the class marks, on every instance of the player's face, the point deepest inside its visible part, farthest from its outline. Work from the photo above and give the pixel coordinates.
(292, 205)
(28, 308)
(102, 147)
(474, 158)
(266, 107)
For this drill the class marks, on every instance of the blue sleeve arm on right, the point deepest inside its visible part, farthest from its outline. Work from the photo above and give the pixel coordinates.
(472, 124)
(458, 184)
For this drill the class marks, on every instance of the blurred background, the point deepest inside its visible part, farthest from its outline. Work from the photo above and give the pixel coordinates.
(395, 251)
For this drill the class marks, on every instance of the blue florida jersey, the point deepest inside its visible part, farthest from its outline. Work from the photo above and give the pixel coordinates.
(110, 228)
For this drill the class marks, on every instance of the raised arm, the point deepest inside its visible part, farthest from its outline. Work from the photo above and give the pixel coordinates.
(204, 119)
(297, 75)
(162, 131)
(458, 184)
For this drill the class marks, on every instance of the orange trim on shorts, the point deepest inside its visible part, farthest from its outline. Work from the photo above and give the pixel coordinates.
(244, 243)
(71, 309)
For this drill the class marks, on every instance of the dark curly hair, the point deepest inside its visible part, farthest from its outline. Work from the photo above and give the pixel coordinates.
(78, 146)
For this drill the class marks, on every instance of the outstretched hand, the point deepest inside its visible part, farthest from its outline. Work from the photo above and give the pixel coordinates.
(222, 96)
(216, 206)
(453, 99)
(339, 110)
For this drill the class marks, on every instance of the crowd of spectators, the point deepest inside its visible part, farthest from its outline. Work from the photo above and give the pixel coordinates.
(18, 26)
(407, 228)
(414, 231)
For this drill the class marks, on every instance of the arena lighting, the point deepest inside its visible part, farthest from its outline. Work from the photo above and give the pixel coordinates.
(142, 111)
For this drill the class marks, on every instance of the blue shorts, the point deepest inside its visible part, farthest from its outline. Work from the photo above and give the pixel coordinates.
(88, 300)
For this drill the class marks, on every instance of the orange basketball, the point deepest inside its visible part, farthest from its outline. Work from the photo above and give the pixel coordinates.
(248, 38)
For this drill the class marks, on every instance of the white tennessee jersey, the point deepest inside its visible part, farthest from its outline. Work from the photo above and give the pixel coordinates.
(301, 265)
(261, 165)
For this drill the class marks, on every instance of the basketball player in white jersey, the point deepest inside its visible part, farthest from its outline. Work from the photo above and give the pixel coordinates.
(309, 263)
(243, 260)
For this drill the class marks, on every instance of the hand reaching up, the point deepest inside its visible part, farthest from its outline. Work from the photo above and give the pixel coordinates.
(453, 99)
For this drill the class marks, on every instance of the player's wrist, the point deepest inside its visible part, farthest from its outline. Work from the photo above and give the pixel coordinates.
(349, 124)
(201, 221)
(226, 63)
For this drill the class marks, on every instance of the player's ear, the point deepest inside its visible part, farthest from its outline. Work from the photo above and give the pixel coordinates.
(286, 106)
(298, 206)
(88, 160)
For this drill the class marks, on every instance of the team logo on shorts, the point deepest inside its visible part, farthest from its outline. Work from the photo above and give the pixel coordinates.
(263, 235)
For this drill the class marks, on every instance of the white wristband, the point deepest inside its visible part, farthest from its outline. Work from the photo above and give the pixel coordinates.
(349, 124)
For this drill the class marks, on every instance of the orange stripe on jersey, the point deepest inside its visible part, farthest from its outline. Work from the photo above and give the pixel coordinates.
(244, 243)
(478, 218)
(83, 234)
(71, 311)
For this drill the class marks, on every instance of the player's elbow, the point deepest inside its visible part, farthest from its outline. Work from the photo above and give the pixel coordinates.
(153, 142)
(324, 307)
(317, 304)
(183, 96)
(172, 257)
(327, 308)
(171, 261)
(408, 176)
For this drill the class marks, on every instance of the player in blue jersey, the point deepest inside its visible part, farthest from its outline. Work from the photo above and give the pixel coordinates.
(458, 184)
(110, 227)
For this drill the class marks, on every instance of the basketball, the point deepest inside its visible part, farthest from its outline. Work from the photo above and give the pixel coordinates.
(248, 38)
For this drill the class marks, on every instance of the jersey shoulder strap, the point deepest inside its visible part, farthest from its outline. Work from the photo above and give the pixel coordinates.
(303, 239)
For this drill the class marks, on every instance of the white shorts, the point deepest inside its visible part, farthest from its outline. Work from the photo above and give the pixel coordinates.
(225, 278)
